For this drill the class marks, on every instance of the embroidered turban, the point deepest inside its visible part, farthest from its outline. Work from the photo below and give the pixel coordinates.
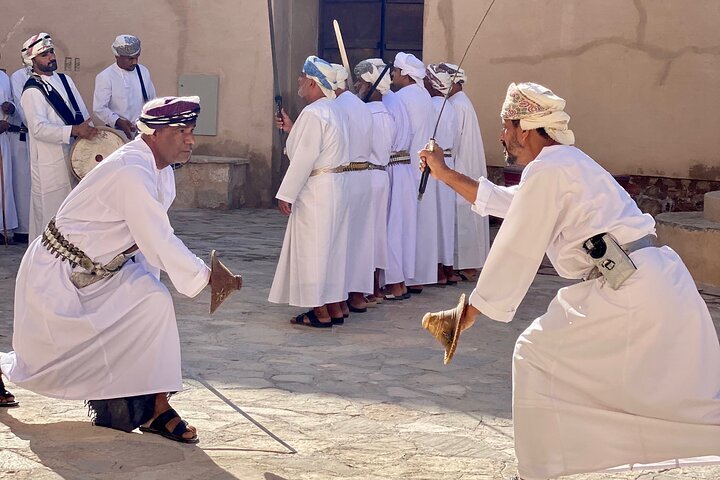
(126, 46)
(370, 69)
(537, 107)
(168, 112)
(322, 73)
(410, 65)
(34, 46)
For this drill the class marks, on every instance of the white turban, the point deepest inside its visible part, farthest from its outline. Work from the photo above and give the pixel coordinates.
(126, 46)
(410, 65)
(168, 112)
(537, 107)
(457, 73)
(322, 73)
(341, 76)
(370, 70)
(439, 78)
(34, 46)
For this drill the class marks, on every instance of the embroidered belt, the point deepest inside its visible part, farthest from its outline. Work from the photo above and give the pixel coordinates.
(372, 166)
(357, 166)
(324, 170)
(399, 158)
(55, 243)
(648, 240)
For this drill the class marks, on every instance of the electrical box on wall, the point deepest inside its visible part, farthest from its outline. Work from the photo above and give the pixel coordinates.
(206, 87)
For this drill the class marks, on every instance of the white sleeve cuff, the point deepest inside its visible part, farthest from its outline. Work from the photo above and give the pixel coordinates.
(489, 310)
(485, 188)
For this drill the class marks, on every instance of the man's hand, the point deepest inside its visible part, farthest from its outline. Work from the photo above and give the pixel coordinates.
(283, 121)
(435, 159)
(285, 207)
(84, 130)
(8, 108)
(4, 126)
(468, 317)
(126, 126)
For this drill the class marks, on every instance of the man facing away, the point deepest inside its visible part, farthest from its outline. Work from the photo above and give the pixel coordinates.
(91, 321)
(55, 114)
(123, 88)
(311, 268)
(624, 367)
(8, 216)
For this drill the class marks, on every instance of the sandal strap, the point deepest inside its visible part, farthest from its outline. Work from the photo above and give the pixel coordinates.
(180, 428)
(162, 420)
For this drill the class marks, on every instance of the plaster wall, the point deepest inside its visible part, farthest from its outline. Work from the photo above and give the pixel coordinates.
(228, 38)
(640, 76)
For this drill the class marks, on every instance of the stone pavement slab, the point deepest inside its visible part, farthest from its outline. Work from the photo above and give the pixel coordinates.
(367, 400)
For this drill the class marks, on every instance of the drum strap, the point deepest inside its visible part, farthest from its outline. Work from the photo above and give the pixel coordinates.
(56, 100)
(142, 84)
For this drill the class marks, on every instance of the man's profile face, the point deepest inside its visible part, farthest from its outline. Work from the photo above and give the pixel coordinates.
(127, 63)
(174, 144)
(510, 142)
(45, 62)
(429, 87)
(396, 78)
(362, 87)
(304, 85)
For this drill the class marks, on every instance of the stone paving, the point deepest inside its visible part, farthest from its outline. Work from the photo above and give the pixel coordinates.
(367, 400)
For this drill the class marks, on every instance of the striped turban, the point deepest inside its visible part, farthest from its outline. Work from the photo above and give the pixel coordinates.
(126, 46)
(370, 70)
(538, 107)
(168, 112)
(34, 46)
(341, 76)
(322, 73)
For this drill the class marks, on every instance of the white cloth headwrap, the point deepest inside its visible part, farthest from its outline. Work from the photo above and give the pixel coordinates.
(538, 107)
(410, 65)
(322, 73)
(341, 76)
(126, 46)
(370, 69)
(168, 112)
(34, 46)
(439, 78)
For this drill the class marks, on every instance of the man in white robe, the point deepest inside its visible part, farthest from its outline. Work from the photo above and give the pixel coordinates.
(91, 323)
(438, 83)
(20, 154)
(402, 204)
(52, 127)
(407, 79)
(472, 230)
(367, 74)
(614, 373)
(8, 215)
(311, 267)
(123, 88)
(361, 237)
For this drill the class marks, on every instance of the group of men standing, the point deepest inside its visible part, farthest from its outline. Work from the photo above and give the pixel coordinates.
(358, 234)
(42, 115)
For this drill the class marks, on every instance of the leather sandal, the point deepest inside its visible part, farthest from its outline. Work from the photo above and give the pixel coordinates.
(159, 427)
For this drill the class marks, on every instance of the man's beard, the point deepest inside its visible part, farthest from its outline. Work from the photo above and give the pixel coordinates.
(509, 158)
(50, 67)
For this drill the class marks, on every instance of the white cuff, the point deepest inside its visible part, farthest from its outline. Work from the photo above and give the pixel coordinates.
(489, 310)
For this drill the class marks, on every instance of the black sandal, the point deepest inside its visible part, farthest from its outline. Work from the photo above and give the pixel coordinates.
(158, 426)
(5, 393)
(312, 320)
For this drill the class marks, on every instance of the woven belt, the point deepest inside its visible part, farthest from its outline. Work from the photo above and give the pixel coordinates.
(324, 170)
(372, 166)
(357, 166)
(648, 240)
(399, 158)
(55, 243)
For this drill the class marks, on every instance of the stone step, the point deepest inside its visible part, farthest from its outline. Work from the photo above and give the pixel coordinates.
(211, 182)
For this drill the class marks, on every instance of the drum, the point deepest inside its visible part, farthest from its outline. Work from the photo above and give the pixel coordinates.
(86, 154)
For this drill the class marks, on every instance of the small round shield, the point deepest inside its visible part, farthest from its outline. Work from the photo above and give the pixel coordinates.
(86, 154)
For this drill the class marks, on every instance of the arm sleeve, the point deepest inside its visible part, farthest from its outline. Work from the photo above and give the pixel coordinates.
(150, 227)
(149, 85)
(519, 247)
(36, 110)
(17, 88)
(101, 101)
(308, 132)
(493, 199)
